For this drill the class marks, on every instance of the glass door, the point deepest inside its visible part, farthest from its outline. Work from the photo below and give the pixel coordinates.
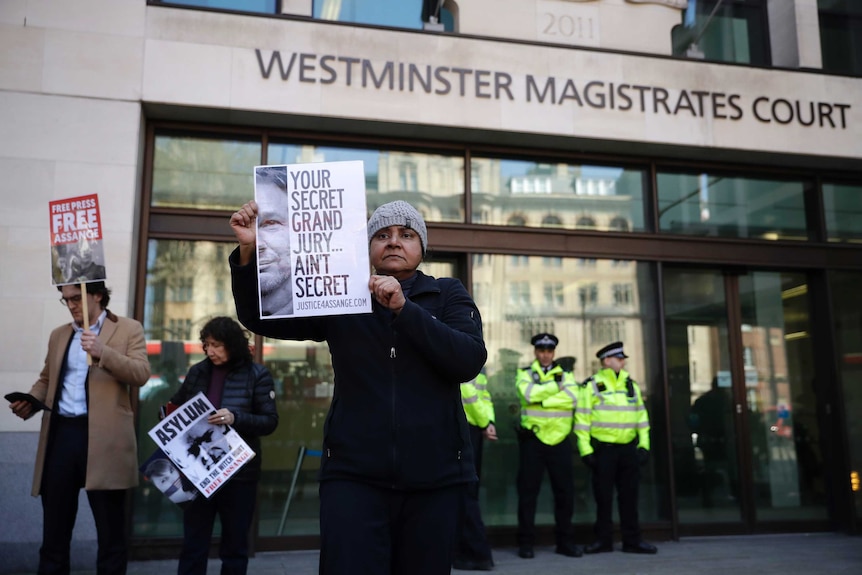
(702, 406)
(787, 470)
(744, 426)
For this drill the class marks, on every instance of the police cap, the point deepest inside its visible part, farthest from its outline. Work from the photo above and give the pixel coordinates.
(544, 340)
(614, 349)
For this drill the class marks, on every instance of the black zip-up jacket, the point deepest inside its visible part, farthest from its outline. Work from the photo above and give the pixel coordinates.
(249, 395)
(396, 418)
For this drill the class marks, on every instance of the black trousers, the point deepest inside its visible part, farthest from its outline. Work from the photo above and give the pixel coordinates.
(472, 540)
(617, 467)
(63, 476)
(535, 458)
(234, 505)
(370, 530)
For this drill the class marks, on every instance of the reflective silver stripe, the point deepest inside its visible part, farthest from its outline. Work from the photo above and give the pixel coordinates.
(580, 427)
(537, 413)
(527, 392)
(473, 399)
(480, 386)
(584, 410)
(610, 425)
(613, 351)
(607, 407)
(571, 393)
(643, 425)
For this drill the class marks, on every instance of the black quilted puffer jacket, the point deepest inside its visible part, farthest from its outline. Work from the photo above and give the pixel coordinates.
(248, 394)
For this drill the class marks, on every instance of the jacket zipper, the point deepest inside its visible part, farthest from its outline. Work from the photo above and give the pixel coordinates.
(392, 357)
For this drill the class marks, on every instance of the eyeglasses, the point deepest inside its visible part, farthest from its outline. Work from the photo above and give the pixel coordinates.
(75, 299)
(212, 344)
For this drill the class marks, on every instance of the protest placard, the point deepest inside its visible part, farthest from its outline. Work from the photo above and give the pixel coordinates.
(312, 239)
(77, 254)
(205, 453)
(167, 478)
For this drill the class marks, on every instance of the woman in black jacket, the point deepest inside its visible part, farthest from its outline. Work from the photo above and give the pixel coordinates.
(396, 447)
(244, 396)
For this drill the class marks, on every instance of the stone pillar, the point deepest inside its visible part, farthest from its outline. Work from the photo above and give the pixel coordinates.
(794, 33)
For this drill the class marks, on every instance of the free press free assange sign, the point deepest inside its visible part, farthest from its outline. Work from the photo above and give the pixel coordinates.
(393, 76)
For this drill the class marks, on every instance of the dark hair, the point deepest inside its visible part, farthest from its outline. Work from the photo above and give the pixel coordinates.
(227, 331)
(95, 288)
(272, 174)
(159, 467)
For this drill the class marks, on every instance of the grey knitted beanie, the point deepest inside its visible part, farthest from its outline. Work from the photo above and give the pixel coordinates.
(398, 213)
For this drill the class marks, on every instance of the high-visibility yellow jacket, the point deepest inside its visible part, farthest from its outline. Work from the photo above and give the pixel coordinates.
(610, 409)
(548, 401)
(477, 403)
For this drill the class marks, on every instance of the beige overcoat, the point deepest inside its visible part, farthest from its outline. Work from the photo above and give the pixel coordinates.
(112, 457)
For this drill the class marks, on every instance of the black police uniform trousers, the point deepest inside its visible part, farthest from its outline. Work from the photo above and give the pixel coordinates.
(616, 467)
(64, 474)
(535, 457)
(371, 530)
(472, 539)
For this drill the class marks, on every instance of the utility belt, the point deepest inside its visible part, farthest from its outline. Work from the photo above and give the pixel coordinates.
(599, 445)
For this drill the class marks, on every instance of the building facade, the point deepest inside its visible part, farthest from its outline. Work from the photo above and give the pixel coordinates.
(683, 176)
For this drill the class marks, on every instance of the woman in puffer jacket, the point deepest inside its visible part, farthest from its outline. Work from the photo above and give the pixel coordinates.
(244, 397)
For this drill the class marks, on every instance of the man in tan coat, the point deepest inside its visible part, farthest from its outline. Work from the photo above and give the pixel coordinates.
(88, 436)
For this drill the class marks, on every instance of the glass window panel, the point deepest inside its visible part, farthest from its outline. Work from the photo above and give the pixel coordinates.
(842, 205)
(264, 6)
(302, 371)
(726, 206)
(724, 31)
(185, 286)
(432, 183)
(569, 196)
(394, 13)
(583, 326)
(202, 173)
(841, 35)
(847, 311)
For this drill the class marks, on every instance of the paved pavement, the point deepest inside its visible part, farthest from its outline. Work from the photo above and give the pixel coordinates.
(797, 554)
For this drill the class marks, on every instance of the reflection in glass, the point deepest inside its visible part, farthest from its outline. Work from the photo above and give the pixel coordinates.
(569, 196)
(394, 13)
(263, 6)
(701, 398)
(782, 403)
(841, 35)
(724, 31)
(842, 206)
(725, 206)
(201, 173)
(847, 311)
(304, 383)
(523, 295)
(432, 183)
(187, 283)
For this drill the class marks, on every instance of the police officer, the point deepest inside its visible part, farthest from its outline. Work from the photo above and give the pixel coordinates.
(473, 551)
(548, 397)
(612, 428)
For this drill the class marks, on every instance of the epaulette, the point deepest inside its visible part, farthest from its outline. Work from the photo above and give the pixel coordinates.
(586, 381)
